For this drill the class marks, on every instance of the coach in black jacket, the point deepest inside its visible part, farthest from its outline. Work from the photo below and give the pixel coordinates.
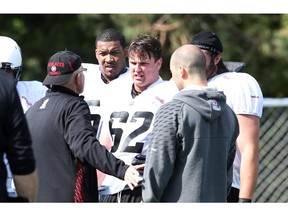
(64, 141)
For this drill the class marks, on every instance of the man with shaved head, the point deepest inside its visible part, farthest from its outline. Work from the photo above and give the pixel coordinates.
(191, 153)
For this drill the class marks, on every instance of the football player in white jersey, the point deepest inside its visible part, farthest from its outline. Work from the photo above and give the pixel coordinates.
(29, 91)
(245, 97)
(130, 111)
(111, 53)
(11, 61)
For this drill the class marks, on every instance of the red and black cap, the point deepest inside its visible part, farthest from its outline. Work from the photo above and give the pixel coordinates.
(61, 67)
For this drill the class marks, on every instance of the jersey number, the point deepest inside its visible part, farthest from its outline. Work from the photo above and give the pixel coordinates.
(95, 120)
(118, 132)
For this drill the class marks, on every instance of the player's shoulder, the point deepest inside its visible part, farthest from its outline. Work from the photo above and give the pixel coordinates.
(90, 66)
(163, 90)
(167, 87)
(246, 77)
(91, 69)
(123, 80)
(167, 84)
(234, 75)
(33, 84)
(233, 78)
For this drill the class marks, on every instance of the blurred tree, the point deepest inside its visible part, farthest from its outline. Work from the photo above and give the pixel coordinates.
(259, 40)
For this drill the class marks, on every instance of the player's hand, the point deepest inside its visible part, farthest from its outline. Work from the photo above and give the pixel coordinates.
(132, 176)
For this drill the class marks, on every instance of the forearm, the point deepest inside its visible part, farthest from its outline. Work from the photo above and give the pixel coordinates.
(248, 174)
(26, 185)
(248, 143)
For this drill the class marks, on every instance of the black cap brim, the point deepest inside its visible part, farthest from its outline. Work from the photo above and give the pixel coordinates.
(56, 80)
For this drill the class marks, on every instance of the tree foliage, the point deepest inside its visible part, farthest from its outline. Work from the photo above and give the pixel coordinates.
(260, 40)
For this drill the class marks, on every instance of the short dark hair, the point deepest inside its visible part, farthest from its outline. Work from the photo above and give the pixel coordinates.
(111, 35)
(146, 44)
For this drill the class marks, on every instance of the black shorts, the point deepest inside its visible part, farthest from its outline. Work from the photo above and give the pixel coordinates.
(233, 195)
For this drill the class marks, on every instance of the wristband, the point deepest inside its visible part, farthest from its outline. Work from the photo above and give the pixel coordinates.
(244, 200)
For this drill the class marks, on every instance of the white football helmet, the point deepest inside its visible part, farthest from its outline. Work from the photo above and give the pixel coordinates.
(10, 57)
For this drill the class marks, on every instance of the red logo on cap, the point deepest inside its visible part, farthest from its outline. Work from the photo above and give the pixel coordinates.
(53, 70)
(59, 64)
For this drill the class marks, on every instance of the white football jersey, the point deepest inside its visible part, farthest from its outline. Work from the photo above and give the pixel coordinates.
(29, 92)
(94, 88)
(131, 122)
(95, 92)
(244, 96)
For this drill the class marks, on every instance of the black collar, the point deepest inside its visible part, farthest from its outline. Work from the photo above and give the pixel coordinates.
(134, 93)
(107, 81)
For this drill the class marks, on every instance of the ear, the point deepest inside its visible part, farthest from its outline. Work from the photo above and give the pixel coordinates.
(78, 79)
(183, 73)
(217, 59)
(159, 64)
(96, 53)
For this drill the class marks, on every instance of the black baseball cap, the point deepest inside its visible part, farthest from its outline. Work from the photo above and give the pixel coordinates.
(207, 40)
(61, 66)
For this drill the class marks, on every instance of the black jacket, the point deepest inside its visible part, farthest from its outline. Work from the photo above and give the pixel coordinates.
(62, 132)
(15, 139)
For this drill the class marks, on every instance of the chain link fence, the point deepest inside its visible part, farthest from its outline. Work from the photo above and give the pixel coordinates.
(273, 152)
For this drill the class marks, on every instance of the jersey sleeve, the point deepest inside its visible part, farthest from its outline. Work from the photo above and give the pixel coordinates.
(247, 96)
(243, 93)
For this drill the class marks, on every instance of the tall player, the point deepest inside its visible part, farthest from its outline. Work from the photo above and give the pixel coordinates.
(28, 91)
(245, 97)
(130, 113)
(111, 53)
